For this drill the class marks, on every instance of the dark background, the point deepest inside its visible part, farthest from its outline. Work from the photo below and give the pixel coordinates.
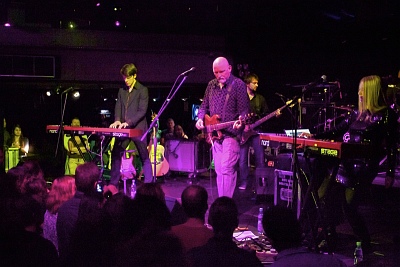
(287, 43)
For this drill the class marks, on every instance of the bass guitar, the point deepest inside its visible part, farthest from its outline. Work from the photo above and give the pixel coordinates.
(212, 126)
(249, 130)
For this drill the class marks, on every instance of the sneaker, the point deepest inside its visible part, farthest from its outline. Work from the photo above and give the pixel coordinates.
(243, 186)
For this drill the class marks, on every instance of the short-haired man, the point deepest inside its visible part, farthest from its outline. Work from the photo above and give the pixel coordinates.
(194, 233)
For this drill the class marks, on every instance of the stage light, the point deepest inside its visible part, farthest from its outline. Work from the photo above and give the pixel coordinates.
(71, 25)
(76, 94)
(7, 24)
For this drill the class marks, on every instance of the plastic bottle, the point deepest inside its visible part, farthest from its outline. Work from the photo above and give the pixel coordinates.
(133, 189)
(358, 254)
(260, 228)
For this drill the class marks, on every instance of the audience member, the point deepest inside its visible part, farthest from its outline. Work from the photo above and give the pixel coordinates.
(178, 216)
(194, 233)
(283, 229)
(152, 244)
(168, 133)
(150, 189)
(86, 178)
(8, 183)
(179, 133)
(89, 243)
(20, 241)
(220, 250)
(62, 189)
(33, 182)
(18, 140)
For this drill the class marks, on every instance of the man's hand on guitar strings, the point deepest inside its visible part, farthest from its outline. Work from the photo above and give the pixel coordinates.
(238, 124)
(199, 124)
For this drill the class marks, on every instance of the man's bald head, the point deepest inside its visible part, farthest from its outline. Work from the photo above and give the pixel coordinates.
(222, 70)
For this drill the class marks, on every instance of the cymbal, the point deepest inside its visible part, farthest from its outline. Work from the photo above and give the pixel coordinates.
(348, 107)
(321, 85)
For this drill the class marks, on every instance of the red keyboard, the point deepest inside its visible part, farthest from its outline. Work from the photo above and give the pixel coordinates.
(96, 130)
(320, 147)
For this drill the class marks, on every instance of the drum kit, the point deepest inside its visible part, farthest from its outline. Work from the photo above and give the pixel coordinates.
(319, 106)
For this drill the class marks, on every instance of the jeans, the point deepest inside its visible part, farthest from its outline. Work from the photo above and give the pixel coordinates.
(254, 142)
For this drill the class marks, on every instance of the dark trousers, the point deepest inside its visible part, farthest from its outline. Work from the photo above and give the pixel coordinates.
(120, 146)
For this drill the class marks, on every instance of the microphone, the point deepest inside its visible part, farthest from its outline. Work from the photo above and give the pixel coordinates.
(68, 90)
(280, 95)
(188, 71)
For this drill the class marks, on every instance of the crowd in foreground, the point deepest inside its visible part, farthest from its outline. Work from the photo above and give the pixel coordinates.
(71, 224)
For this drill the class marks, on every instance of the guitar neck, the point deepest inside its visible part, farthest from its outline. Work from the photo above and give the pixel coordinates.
(219, 126)
(264, 119)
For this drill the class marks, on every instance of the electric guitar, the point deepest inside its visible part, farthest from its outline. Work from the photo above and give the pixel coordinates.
(162, 165)
(249, 130)
(212, 127)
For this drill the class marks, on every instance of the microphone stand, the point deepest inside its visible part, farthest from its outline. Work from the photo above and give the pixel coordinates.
(299, 185)
(155, 121)
(61, 126)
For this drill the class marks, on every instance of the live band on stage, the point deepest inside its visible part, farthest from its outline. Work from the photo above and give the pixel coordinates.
(314, 110)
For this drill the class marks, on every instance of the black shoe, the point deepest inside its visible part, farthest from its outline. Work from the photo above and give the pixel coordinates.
(243, 185)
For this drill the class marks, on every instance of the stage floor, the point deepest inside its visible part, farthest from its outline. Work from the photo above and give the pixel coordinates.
(380, 208)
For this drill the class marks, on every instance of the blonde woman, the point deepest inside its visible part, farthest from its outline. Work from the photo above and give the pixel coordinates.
(374, 127)
(62, 189)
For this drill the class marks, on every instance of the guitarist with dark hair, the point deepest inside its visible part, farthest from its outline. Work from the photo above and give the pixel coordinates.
(259, 108)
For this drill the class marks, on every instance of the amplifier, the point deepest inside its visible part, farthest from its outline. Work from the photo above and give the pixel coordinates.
(187, 156)
(283, 194)
(264, 180)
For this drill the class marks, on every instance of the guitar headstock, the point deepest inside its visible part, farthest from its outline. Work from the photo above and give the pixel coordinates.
(153, 116)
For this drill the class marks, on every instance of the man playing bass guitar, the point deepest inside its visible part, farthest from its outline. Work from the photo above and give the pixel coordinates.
(259, 108)
(226, 97)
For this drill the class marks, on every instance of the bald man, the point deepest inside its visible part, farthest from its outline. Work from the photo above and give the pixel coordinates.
(225, 97)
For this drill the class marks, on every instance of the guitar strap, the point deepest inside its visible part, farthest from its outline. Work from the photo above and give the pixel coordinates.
(229, 88)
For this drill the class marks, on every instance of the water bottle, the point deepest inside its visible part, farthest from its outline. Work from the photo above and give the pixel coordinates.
(260, 228)
(133, 189)
(358, 254)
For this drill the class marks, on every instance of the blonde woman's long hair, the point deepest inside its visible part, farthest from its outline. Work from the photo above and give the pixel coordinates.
(371, 96)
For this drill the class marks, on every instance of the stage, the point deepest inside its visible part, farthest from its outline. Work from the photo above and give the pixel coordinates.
(380, 208)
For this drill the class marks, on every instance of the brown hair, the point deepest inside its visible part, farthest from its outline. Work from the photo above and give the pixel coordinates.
(62, 189)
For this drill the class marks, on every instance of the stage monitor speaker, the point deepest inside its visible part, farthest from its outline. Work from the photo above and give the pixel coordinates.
(283, 194)
(187, 156)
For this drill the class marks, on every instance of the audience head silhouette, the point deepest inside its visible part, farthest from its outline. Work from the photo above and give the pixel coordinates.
(194, 201)
(282, 227)
(86, 177)
(223, 217)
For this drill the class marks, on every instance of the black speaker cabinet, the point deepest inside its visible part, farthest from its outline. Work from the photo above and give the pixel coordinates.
(187, 156)
(284, 194)
(265, 181)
